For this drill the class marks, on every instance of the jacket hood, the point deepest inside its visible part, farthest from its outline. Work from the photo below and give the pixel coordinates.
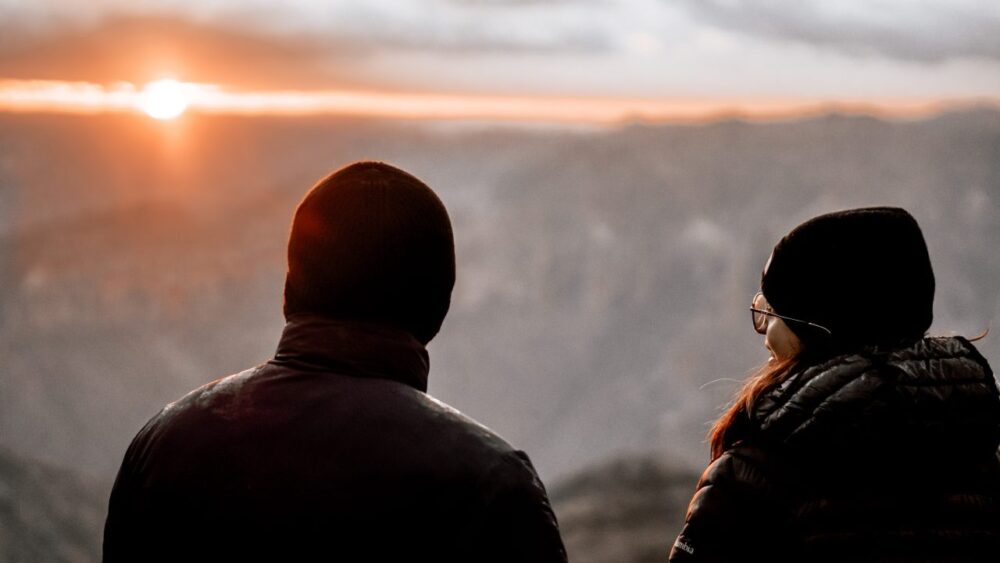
(936, 399)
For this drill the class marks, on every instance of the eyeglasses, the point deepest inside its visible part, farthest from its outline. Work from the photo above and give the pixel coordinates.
(760, 311)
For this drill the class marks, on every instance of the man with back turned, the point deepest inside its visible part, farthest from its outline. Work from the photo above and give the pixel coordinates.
(332, 450)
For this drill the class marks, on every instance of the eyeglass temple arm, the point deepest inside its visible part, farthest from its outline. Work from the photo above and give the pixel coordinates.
(793, 319)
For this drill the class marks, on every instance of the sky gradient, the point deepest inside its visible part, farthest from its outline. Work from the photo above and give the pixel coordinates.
(647, 54)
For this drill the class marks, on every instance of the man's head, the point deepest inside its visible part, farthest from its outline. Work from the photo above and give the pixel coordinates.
(372, 243)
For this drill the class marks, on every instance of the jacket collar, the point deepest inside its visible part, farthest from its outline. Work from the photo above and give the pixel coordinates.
(360, 349)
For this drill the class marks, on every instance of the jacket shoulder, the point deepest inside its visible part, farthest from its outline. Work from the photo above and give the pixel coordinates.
(450, 418)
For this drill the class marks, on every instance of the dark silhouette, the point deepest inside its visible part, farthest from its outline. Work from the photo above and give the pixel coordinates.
(862, 439)
(332, 451)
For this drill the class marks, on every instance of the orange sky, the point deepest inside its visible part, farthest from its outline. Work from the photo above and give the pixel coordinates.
(558, 62)
(84, 97)
(142, 49)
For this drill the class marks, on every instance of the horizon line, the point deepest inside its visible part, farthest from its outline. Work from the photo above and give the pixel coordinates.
(87, 98)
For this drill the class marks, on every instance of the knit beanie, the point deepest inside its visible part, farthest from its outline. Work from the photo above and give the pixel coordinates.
(372, 243)
(865, 274)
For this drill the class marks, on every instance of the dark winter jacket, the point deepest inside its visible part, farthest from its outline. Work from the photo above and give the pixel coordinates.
(329, 452)
(885, 456)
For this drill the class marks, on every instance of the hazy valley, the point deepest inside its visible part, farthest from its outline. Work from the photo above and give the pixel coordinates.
(600, 311)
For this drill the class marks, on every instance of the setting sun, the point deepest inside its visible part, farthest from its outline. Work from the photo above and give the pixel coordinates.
(164, 99)
(168, 98)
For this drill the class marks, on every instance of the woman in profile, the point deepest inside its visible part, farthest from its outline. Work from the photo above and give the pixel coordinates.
(862, 439)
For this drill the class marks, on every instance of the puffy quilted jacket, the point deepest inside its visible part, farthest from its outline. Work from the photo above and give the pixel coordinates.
(883, 455)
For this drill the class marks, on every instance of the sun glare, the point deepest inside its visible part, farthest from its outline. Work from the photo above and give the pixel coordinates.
(164, 99)
(168, 98)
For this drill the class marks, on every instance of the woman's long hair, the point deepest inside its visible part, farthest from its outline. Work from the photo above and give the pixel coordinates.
(729, 428)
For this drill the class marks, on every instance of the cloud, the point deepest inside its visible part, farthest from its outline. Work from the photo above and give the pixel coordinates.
(459, 27)
(557, 47)
(142, 48)
(522, 3)
(258, 44)
(927, 32)
(468, 26)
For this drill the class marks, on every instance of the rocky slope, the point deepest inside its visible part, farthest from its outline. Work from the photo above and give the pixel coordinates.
(628, 510)
(48, 514)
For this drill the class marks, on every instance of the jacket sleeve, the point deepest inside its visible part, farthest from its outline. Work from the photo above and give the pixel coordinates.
(125, 522)
(519, 524)
(735, 514)
(119, 528)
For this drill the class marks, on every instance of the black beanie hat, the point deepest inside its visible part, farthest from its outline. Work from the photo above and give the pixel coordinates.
(372, 243)
(865, 274)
